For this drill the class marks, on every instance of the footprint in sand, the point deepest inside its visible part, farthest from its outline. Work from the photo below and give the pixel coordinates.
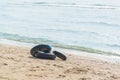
(33, 70)
(5, 64)
(84, 79)
(34, 75)
(76, 70)
(61, 76)
(59, 66)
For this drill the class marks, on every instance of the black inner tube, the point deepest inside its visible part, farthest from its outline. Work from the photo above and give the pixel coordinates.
(41, 47)
(60, 55)
(43, 55)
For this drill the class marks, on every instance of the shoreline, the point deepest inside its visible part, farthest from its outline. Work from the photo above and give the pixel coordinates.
(107, 58)
(16, 63)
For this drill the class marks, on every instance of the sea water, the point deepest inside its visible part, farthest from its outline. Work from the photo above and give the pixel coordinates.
(86, 25)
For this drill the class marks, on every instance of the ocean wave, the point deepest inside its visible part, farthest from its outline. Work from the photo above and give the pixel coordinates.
(17, 37)
(79, 32)
(105, 5)
(52, 43)
(93, 6)
(102, 23)
(114, 45)
(74, 5)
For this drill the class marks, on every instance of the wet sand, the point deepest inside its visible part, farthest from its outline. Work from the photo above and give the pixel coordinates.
(16, 63)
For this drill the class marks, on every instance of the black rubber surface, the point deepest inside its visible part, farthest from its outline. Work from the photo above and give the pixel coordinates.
(43, 55)
(42, 47)
(60, 55)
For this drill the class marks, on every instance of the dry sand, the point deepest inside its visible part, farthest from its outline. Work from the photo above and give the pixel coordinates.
(16, 63)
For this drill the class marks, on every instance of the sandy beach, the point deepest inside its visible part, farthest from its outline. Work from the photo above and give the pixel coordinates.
(16, 63)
